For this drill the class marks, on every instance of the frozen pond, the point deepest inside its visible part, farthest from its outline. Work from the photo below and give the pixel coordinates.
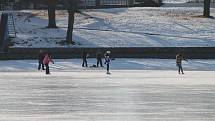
(125, 95)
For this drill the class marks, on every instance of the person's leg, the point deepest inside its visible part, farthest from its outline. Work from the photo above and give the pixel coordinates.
(178, 65)
(108, 67)
(86, 62)
(83, 63)
(182, 70)
(101, 62)
(39, 66)
(97, 63)
(43, 66)
(47, 69)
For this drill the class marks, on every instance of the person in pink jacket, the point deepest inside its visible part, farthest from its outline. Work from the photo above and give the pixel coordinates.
(47, 59)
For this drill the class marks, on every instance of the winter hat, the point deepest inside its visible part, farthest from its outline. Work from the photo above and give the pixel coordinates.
(108, 52)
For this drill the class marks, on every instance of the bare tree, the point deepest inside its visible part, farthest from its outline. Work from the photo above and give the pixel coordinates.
(207, 8)
(51, 13)
(72, 7)
(24, 4)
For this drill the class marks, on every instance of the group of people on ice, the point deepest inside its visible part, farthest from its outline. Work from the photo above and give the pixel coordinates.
(99, 57)
(45, 59)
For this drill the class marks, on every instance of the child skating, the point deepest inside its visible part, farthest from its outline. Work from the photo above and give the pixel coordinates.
(107, 61)
(47, 59)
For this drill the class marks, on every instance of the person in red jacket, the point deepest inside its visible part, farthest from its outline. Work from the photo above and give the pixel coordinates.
(47, 59)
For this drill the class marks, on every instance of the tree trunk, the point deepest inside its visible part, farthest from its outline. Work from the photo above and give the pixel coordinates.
(207, 8)
(51, 14)
(130, 3)
(72, 7)
(97, 2)
(71, 18)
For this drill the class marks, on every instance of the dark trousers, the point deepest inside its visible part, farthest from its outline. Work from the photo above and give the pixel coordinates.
(84, 62)
(99, 61)
(180, 69)
(41, 64)
(47, 69)
(108, 67)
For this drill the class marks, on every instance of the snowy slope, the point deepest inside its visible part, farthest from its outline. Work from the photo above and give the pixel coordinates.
(174, 1)
(120, 27)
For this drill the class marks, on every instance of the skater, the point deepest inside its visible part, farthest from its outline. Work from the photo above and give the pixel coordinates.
(99, 59)
(179, 59)
(47, 59)
(107, 61)
(84, 57)
(40, 60)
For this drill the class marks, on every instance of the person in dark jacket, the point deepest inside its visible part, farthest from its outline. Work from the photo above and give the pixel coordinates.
(99, 59)
(107, 61)
(40, 60)
(179, 59)
(84, 57)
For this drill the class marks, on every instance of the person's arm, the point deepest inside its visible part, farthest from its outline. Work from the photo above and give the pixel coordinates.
(52, 61)
(185, 59)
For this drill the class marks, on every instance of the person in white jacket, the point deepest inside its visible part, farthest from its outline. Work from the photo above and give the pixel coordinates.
(107, 61)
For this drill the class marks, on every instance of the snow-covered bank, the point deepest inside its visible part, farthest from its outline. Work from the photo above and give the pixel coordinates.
(118, 64)
(212, 5)
(174, 1)
(120, 27)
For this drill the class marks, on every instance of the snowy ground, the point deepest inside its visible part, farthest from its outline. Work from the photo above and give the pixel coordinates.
(167, 26)
(174, 1)
(128, 94)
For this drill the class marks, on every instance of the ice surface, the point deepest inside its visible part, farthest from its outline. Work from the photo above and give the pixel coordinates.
(136, 90)
(117, 64)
